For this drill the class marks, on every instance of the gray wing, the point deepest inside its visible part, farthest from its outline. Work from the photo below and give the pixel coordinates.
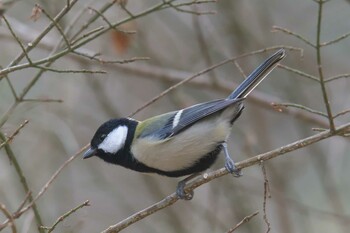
(178, 121)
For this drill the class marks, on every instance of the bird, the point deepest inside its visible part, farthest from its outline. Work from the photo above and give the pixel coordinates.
(180, 143)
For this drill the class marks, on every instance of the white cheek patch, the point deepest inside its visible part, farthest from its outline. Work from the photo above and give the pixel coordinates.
(115, 140)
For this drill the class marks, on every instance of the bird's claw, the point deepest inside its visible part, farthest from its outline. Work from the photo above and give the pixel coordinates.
(231, 168)
(182, 194)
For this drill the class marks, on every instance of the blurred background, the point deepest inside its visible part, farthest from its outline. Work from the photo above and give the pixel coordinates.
(309, 187)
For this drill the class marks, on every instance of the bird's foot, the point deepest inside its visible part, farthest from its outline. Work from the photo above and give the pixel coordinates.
(181, 193)
(180, 190)
(229, 163)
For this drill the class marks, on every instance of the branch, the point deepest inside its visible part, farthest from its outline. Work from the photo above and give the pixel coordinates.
(319, 66)
(9, 139)
(244, 220)
(9, 216)
(64, 216)
(207, 177)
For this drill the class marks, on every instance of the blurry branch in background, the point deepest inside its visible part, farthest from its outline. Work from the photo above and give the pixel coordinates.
(244, 220)
(9, 217)
(267, 194)
(64, 216)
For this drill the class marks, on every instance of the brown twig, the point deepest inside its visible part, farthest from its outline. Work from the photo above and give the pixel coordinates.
(244, 220)
(10, 138)
(9, 217)
(267, 194)
(64, 216)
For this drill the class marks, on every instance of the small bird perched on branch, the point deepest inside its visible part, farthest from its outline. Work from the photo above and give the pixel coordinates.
(178, 143)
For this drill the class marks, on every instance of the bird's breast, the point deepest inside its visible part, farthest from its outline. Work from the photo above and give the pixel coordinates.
(184, 149)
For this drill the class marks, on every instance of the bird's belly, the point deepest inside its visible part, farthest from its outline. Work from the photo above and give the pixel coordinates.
(183, 150)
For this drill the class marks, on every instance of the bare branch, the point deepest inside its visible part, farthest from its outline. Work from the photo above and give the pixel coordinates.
(300, 37)
(278, 105)
(64, 216)
(244, 220)
(9, 217)
(301, 73)
(9, 139)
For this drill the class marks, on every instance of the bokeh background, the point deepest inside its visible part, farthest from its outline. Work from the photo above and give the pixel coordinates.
(309, 187)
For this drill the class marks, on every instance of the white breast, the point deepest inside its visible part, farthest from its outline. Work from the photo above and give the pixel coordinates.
(183, 150)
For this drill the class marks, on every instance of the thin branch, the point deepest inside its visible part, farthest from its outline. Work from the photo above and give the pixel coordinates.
(207, 177)
(17, 39)
(103, 61)
(49, 182)
(9, 217)
(64, 216)
(60, 30)
(335, 40)
(37, 40)
(319, 66)
(341, 113)
(9, 139)
(337, 77)
(300, 37)
(244, 220)
(301, 73)
(71, 71)
(43, 100)
(278, 105)
(22, 179)
(267, 194)
(178, 8)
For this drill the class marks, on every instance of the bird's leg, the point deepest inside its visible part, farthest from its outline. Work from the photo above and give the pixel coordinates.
(180, 190)
(229, 164)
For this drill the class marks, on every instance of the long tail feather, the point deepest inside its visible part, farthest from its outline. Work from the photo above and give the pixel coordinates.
(257, 76)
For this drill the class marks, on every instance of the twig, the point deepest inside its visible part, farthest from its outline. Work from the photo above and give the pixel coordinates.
(64, 216)
(276, 28)
(319, 66)
(17, 39)
(52, 178)
(244, 220)
(43, 100)
(60, 30)
(22, 179)
(341, 113)
(72, 71)
(267, 194)
(335, 40)
(300, 107)
(302, 74)
(337, 77)
(103, 61)
(9, 139)
(36, 41)
(207, 177)
(9, 217)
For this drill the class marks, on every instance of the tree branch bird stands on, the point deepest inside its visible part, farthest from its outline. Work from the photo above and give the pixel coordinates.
(178, 143)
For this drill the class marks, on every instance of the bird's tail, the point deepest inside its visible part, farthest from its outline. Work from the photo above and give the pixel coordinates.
(257, 76)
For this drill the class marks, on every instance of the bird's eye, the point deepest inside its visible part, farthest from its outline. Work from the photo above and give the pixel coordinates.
(103, 136)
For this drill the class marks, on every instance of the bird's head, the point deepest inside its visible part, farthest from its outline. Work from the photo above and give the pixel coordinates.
(110, 138)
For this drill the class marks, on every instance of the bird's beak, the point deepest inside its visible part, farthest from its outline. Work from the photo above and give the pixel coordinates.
(89, 153)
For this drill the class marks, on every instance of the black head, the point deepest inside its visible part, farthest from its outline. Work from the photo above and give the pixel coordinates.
(111, 138)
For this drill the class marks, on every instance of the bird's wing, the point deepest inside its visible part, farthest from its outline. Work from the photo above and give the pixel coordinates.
(170, 124)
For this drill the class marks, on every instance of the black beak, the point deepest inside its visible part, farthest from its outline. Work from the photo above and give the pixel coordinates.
(89, 153)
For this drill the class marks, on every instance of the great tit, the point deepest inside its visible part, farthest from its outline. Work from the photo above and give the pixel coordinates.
(178, 143)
